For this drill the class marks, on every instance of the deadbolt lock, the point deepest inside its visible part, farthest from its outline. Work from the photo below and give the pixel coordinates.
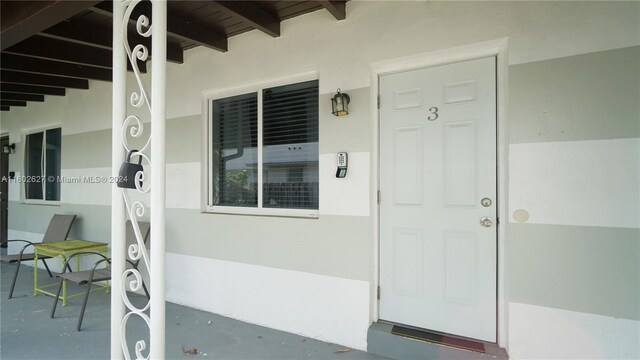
(486, 202)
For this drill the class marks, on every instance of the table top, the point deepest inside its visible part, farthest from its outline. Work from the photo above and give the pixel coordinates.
(68, 245)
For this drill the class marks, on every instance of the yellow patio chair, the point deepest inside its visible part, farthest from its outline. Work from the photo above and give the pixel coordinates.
(58, 229)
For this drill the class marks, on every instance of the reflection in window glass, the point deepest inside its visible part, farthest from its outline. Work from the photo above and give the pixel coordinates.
(52, 163)
(43, 152)
(33, 169)
(234, 151)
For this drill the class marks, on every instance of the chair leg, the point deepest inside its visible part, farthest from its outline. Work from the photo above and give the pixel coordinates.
(84, 305)
(15, 278)
(46, 267)
(55, 301)
(146, 292)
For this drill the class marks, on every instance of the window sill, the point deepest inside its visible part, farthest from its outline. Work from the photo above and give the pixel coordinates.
(41, 202)
(291, 213)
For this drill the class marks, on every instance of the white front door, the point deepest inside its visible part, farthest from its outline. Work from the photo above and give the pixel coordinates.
(438, 230)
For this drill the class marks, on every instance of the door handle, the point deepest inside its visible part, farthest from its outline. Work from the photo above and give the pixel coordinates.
(486, 222)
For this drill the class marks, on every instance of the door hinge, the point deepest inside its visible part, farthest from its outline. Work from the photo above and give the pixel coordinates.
(378, 292)
(379, 197)
(378, 101)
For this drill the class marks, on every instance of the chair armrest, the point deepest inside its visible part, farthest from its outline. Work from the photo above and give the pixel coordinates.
(104, 258)
(29, 243)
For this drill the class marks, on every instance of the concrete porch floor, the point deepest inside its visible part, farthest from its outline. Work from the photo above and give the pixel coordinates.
(28, 332)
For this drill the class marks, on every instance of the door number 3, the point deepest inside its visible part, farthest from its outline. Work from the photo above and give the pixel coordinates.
(433, 114)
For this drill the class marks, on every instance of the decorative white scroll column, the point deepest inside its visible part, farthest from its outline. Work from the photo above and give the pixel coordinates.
(150, 180)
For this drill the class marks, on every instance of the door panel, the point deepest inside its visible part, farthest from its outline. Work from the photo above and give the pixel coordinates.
(437, 162)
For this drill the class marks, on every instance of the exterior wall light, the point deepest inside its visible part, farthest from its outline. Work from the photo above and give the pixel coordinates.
(7, 149)
(340, 104)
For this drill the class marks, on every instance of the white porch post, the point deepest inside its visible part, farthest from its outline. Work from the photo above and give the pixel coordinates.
(118, 244)
(150, 179)
(158, 177)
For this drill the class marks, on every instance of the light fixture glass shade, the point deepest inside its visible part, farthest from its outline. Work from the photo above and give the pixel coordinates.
(340, 104)
(7, 148)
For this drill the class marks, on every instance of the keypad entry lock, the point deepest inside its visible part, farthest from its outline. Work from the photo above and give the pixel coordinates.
(342, 165)
(486, 222)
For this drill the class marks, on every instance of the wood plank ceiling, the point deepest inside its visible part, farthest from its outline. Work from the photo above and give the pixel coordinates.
(50, 46)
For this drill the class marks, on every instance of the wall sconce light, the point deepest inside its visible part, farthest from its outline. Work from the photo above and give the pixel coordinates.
(340, 104)
(7, 149)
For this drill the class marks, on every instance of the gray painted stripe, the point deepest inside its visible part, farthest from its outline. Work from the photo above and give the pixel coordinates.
(587, 269)
(583, 97)
(309, 245)
(87, 150)
(331, 245)
(93, 149)
(93, 221)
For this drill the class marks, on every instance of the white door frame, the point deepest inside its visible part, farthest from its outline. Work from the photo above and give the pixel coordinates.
(497, 48)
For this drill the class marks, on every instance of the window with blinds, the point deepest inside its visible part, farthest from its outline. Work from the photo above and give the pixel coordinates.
(287, 175)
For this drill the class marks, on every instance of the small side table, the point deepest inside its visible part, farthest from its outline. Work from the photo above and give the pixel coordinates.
(63, 250)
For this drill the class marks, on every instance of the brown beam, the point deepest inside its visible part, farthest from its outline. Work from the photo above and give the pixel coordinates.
(75, 30)
(59, 68)
(83, 32)
(17, 77)
(4, 108)
(336, 8)
(185, 30)
(32, 89)
(21, 19)
(252, 15)
(12, 103)
(23, 97)
(177, 28)
(49, 67)
(52, 49)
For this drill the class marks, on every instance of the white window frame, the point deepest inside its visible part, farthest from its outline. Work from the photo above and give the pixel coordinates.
(207, 138)
(24, 160)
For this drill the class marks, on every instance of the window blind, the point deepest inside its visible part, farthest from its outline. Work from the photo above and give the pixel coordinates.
(290, 140)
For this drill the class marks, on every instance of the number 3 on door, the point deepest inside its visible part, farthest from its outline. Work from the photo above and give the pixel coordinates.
(434, 114)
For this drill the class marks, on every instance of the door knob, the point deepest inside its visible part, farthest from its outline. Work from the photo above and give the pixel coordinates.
(486, 222)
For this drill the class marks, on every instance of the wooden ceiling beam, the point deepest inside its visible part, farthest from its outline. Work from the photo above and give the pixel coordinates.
(16, 77)
(75, 30)
(45, 48)
(185, 30)
(32, 89)
(12, 103)
(53, 49)
(50, 67)
(336, 8)
(177, 28)
(252, 15)
(21, 97)
(20, 20)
